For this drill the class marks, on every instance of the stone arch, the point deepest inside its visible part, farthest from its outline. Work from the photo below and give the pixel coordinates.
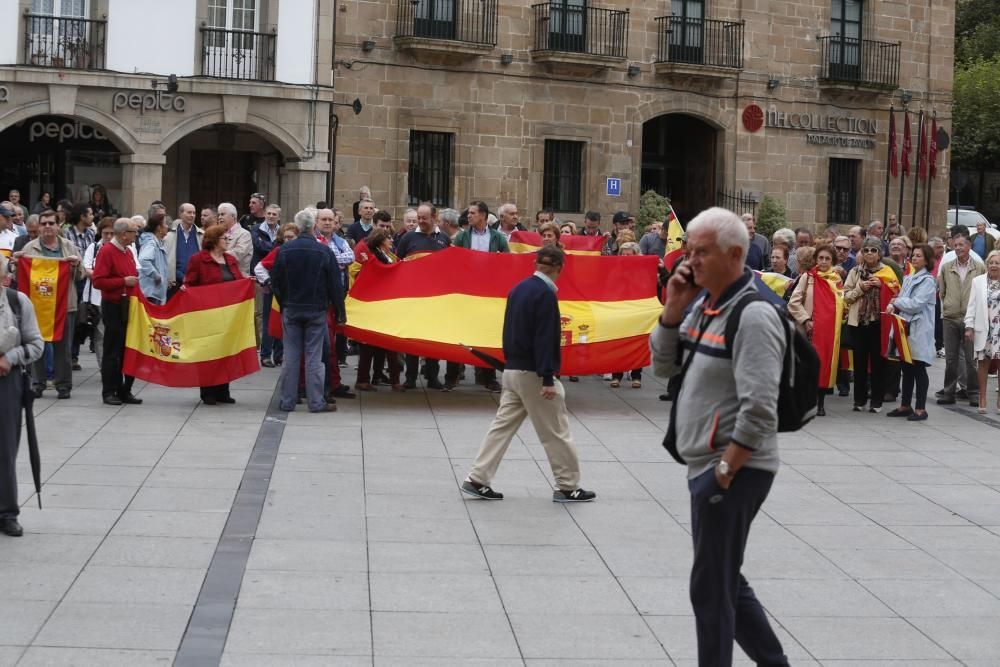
(283, 140)
(116, 133)
(705, 109)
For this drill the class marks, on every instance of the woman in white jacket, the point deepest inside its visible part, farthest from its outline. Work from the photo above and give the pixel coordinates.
(982, 322)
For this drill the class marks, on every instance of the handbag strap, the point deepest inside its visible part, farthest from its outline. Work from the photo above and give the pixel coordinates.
(669, 443)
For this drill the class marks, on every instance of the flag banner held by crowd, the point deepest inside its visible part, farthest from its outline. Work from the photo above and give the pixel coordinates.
(46, 281)
(456, 296)
(895, 339)
(573, 244)
(201, 337)
(828, 317)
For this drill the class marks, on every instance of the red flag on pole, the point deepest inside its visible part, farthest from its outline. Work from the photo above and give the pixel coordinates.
(907, 145)
(922, 153)
(932, 156)
(893, 159)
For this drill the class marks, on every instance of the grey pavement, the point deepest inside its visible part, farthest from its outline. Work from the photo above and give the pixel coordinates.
(878, 545)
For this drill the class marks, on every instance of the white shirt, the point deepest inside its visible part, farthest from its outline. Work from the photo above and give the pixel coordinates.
(7, 238)
(480, 240)
(91, 295)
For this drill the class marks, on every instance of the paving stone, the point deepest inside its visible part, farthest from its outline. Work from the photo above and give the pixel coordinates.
(286, 631)
(114, 625)
(443, 635)
(137, 585)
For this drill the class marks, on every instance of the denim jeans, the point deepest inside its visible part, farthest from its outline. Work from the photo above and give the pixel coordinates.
(303, 333)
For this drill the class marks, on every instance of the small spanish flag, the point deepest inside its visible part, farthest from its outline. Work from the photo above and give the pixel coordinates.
(895, 339)
(675, 232)
(274, 319)
(46, 281)
(203, 336)
(828, 318)
(573, 244)
(434, 307)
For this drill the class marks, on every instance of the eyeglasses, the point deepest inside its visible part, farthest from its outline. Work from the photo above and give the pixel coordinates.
(842, 249)
(48, 223)
(870, 250)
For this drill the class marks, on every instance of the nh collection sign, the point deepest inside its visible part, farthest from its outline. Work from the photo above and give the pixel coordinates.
(841, 130)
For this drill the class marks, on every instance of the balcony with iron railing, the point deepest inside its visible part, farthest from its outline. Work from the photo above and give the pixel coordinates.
(454, 29)
(64, 42)
(700, 47)
(578, 35)
(238, 54)
(859, 63)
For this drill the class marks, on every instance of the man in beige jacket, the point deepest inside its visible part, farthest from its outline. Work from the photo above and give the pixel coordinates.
(50, 244)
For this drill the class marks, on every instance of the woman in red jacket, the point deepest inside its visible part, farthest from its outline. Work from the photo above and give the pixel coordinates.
(210, 266)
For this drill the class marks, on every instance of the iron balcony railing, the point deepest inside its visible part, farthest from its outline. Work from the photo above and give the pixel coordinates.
(738, 201)
(863, 62)
(575, 28)
(706, 42)
(470, 21)
(68, 43)
(238, 54)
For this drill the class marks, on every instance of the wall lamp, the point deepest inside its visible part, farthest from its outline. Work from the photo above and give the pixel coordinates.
(905, 97)
(506, 58)
(634, 71)
(368, 45)
(773, 83)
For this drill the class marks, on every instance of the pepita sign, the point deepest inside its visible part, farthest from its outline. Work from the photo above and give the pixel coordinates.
(143, 102)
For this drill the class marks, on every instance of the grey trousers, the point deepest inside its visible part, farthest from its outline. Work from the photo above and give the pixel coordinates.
(63, 360)
(954, 342)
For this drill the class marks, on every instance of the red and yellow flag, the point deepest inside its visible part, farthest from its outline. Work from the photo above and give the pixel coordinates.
(895, 340)
(203, 336)
(887, 292)
(573, 244)
(46, 281)
(675, 232)
(433, 307)
(828, 317)
(778, 282)
(274, 319)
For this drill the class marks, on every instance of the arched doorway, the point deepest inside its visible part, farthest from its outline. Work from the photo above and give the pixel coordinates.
(62, 155)
(222, 163)
(678, 161)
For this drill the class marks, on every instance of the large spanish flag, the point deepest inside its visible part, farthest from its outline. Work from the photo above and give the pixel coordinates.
(456, 296)
(46, 281)
(203, 336)
(573, 244)
(828, 318)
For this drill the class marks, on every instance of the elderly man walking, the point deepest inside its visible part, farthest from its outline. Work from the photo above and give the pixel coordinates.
(531, 340)
(954, 286)
(114, 272)
(305, 281)
(239, 241)
(731, 450)
(49, 244)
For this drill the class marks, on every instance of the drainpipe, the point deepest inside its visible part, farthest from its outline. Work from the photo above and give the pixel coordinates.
(332, 174)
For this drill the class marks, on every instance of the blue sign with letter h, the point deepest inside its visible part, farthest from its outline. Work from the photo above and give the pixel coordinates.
(614, 187)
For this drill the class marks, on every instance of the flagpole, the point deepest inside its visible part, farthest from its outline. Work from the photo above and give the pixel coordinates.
(902, 171)
(888, 166)
(930, 178)
(916, 175)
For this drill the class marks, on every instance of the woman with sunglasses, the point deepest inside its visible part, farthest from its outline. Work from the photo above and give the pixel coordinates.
(867, 291)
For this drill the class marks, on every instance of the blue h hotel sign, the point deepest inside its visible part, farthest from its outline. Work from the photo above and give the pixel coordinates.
(614, 187)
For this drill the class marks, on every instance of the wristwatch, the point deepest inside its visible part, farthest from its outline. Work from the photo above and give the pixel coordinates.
(725, 470)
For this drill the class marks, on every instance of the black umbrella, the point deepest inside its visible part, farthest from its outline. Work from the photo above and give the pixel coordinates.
(28, 401)
(488, 358)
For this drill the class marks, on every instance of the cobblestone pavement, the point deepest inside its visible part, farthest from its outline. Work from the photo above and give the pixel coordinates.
(178, 532)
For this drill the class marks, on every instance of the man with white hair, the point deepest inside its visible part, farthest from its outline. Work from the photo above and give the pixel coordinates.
(305, 282)
(360, 229)
(508, 222)
(239, 241)
(730, 475)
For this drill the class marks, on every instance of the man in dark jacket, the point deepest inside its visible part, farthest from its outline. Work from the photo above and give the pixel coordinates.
(305, 281)
(531, 337)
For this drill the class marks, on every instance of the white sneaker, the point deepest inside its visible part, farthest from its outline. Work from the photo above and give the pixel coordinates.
(606, 377)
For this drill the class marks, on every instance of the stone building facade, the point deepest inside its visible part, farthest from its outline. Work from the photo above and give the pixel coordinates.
(509, 101)
(194, 100)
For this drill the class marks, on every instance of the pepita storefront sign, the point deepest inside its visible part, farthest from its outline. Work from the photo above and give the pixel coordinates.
(840, 130)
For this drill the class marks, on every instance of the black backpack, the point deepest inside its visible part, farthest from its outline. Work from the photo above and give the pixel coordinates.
(799, 371)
